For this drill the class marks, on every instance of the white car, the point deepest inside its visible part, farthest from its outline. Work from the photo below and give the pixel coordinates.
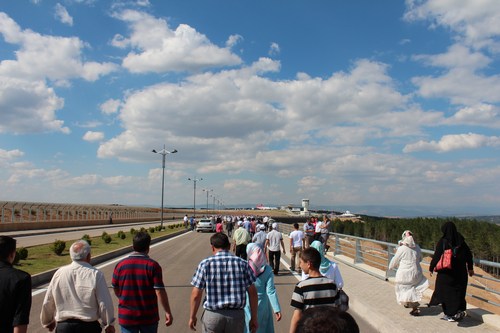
(205, 224)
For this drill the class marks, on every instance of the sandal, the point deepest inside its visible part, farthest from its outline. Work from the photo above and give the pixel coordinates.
(415, 312)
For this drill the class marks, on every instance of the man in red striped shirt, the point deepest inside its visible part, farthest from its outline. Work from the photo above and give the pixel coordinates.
(138, 284)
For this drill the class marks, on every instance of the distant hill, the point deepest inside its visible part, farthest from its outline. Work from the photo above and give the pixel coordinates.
(491, 219)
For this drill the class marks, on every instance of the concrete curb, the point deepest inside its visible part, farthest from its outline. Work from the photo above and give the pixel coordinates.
(42, 278)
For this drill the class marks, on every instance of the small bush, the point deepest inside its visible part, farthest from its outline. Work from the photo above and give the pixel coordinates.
(158, 228)
(151, 230)
(121, 235)
(143, 229)
(23, 253)
(103, 235)
(106, 239)
(132, 231)
(86, 238)
(58, 247)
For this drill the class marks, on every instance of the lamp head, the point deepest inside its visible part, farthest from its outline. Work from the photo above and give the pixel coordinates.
(154, 151)
(173, 151)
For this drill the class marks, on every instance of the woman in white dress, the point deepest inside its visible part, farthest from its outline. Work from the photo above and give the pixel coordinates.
(410, 282)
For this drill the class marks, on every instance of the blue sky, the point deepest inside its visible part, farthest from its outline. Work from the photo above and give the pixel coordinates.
(342, 102)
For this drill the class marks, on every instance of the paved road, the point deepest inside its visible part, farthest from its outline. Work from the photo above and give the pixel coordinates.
(67, 234)
(179, 257)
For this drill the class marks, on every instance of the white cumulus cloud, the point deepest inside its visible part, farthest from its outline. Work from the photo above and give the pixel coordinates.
(93, 136)
(10, 154)
(157, 48)
(476, 22)
(27, 102)
(454, 142)
(29, 107)
(110, 106)
(274, 49)
(61, 13)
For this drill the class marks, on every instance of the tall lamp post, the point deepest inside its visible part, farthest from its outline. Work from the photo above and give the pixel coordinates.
(164, 153)
(194, 180)
(213, 197)
(207, 190)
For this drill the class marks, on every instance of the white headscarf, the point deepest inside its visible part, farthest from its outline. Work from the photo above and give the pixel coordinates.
(407, 239)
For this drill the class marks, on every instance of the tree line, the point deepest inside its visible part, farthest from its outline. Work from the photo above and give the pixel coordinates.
(482, 237)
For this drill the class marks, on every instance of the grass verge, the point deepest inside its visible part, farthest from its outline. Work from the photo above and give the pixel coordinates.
(41, 258)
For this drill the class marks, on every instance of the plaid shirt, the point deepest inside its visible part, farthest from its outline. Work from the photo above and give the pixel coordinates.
(225, 279)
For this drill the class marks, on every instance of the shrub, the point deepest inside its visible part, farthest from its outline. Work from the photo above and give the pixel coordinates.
(58, 247)
(106, 239)
(151, 230)
(158, 228)
(121, 235)
(86, 238)
(132, 231)
(104, 234)
(143, 229)
(23, 253)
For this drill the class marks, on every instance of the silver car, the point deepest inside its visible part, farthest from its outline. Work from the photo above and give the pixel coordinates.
(205, 225)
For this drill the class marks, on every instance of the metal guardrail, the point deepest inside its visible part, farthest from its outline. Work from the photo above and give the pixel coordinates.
(378, 254)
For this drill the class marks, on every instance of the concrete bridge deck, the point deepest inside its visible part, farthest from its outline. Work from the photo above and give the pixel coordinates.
(372, 300)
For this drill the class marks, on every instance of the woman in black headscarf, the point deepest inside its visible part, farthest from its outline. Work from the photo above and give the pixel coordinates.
(451, 284)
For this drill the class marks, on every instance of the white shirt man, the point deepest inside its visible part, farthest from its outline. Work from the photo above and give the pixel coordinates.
(78, 296)
(273, 240)
(297, 243)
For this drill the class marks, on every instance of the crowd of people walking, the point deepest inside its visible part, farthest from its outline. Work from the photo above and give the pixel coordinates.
(234, 285)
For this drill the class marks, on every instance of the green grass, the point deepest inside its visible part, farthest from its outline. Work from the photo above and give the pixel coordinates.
(41, 258)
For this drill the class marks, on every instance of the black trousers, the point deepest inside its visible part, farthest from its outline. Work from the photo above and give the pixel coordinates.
(78, 326)
(274, 260)
(241, 251)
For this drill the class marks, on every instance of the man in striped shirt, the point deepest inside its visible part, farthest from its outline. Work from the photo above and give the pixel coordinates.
(316, 290)
(138, 284)
(226, 279)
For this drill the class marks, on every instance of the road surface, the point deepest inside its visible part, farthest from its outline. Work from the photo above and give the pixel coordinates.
(179, 258)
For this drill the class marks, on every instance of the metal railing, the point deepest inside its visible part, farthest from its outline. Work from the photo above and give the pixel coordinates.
(373, 257)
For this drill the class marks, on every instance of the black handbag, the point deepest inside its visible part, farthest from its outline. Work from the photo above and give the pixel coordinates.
(342, 300)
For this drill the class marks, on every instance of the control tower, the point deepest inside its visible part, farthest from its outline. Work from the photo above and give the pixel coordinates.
(305, 206)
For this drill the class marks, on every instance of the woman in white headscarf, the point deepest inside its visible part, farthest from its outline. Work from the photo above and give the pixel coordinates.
(410, 282)
(327, 268)
(268, 303)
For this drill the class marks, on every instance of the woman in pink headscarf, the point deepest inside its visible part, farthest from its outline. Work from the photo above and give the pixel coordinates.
(410, 281)
(266, 292)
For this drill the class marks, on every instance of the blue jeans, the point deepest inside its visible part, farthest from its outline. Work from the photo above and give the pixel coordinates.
(153, 328)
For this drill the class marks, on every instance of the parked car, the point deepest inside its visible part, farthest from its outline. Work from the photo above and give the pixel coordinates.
(205, 224)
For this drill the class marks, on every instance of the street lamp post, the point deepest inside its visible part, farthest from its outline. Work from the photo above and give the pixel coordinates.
(207, 190)
(194, 180)
(164, 153)
(213, 197)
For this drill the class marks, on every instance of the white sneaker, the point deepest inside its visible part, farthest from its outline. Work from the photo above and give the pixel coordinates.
(459, 316)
